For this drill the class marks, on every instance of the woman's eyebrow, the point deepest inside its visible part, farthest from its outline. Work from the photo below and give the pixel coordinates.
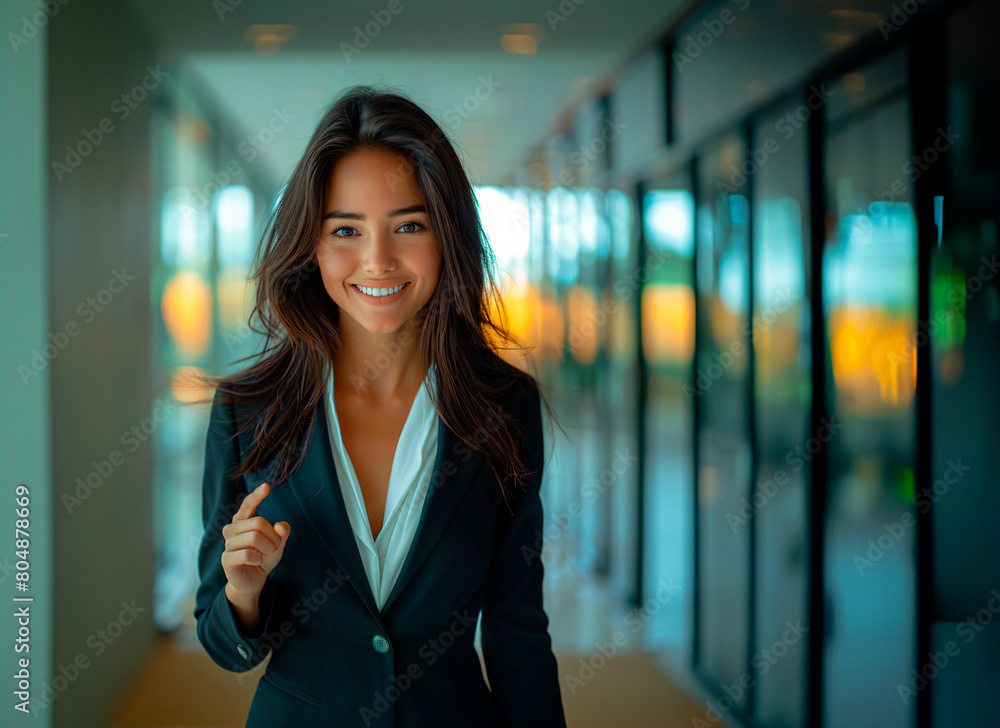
(357, 216)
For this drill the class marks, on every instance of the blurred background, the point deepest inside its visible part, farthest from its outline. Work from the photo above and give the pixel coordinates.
(753, 244)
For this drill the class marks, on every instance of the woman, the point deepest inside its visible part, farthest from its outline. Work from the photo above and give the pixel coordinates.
(392, 458)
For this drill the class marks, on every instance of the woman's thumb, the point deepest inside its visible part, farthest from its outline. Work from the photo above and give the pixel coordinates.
(283, 529)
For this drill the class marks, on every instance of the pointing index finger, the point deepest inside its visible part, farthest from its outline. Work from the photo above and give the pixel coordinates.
(249, 506)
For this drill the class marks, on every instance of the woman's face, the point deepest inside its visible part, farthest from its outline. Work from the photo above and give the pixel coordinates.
(376, 237)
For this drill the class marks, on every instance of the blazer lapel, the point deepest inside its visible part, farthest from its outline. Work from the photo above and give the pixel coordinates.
(317, 489)
(454, 468)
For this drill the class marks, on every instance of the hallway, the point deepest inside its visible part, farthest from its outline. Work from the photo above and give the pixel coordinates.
(749, 246)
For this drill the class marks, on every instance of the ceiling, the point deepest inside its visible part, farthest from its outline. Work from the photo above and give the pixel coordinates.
(442, 53)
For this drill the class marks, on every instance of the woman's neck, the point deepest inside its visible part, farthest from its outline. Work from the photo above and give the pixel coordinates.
(378, 367)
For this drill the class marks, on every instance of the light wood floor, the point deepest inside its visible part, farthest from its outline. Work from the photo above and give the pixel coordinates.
(181, 686)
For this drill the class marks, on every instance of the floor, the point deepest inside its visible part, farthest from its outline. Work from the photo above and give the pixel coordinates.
(628, 690)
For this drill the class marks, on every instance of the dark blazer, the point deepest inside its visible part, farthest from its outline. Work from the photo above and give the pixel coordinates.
(336, 659)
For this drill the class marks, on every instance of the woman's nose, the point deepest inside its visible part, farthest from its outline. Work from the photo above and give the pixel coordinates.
(379, 254)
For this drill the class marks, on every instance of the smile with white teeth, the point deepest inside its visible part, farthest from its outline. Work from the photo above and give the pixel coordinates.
(380, 291)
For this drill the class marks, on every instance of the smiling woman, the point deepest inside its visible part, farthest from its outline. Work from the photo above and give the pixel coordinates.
(377, 246)
(393, 457)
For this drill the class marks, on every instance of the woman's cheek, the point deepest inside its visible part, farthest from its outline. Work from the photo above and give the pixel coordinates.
(335, 266)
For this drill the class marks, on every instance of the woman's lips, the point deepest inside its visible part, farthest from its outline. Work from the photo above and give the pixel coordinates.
(382, 300)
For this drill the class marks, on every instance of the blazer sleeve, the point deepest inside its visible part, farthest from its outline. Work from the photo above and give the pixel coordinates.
(218, 630)
(517, 648)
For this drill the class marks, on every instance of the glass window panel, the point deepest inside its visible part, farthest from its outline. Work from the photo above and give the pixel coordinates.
(782, 398)
(234, 220)
(869, 271)
(966, 349)
(860, 88)
(722, 389)
(668, 345)
(965, 401)
(618, 386)
(504, 216)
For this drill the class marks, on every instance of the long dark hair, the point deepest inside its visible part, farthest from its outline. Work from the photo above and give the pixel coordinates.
(463, 326)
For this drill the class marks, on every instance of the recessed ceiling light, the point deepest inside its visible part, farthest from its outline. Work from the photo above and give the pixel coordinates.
(854, 82)
(866, 16)
(838, 40)
(522, 45)
(532, 29)
(268, 39)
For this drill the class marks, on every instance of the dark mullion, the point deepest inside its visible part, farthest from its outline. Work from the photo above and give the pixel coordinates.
(816, 493)
(669, 130)
(695, 426)
(642, 370)
(751, 438)
(927, 76)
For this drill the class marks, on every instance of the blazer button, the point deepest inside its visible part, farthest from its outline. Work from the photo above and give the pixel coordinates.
(243, 651)
(380, 643)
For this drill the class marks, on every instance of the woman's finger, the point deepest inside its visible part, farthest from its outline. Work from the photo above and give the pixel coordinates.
(249, 505)
(242, 557)
(257, 523)
(253, 539)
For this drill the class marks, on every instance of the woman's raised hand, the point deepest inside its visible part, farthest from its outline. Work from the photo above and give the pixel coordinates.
(253, 547)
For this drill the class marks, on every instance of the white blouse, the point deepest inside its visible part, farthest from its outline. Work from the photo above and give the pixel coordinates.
(409, 478)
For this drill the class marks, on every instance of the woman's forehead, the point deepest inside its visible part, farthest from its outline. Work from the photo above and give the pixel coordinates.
(375, 179)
